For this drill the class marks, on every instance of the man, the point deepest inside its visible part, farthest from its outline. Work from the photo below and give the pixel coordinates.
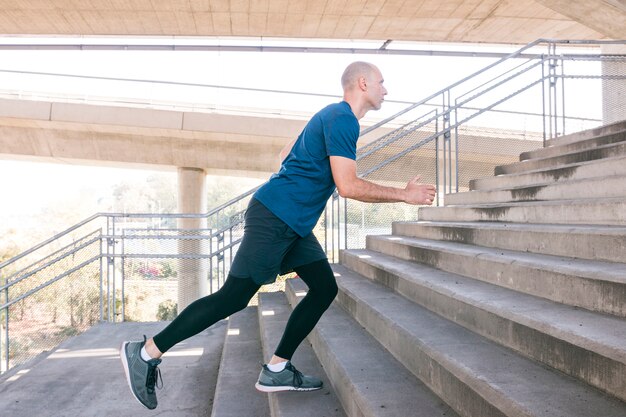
(277, 238)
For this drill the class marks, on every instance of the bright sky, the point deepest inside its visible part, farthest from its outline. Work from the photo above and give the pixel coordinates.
(26, 185)
(408, 78)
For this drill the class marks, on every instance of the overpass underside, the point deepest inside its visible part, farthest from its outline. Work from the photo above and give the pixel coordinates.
(218, 144)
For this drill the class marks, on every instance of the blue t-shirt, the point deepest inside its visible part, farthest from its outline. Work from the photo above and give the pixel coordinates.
(298, 193)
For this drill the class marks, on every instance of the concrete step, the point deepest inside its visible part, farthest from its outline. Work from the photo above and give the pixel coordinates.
(369, 381)
(570, 172)
(235, 395)
(594, 285)
(600, 243)
(600, 152)
(579, 145)
(602, 211)
(273, 315)
(83, 376)
(586, 345)
(476, 376)
(600, 187)
(588, 134)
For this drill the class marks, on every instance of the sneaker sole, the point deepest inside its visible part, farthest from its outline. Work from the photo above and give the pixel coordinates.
(266, 388)
(126, 372)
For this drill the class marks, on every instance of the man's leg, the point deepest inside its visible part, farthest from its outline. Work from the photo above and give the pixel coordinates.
(142, 373)
(322, 291)
(234, 296)
(320, 279)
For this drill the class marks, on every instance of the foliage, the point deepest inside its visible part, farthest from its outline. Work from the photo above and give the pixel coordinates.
(68, 331)
(154, 270)
(154, 195)
(167, 310)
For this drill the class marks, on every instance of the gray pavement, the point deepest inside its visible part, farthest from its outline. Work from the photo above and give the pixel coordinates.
(84, 377)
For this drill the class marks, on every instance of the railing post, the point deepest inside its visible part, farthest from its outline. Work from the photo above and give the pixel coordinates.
(4, 355)
(110, 269)
(543, 97)
(437, 156)
(345, 222)
(326, 229)
(447, 145)
(456, 149)
(563, 94)
(7, 339)
(123, 312)
(338, 227)
(211, 260)
(553, 94)
(102, 259)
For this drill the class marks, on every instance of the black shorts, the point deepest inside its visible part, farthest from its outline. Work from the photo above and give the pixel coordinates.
(270, 247)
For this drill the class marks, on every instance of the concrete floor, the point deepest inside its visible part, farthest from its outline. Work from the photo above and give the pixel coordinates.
(84, 377)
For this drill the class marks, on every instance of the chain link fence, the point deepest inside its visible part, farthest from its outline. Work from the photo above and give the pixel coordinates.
(463, 132)
(50, 300)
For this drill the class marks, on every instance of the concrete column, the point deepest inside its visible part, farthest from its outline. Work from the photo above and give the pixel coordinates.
(192, 273)
(614, 91)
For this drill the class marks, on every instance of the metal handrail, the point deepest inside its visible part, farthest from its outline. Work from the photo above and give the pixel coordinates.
(440, 92)
(512, 55)
(46, 265)
(126, 215)
(403, 131)
(50, 282)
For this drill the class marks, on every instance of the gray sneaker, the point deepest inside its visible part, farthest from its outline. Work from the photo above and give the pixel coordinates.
(142, 376)
(289, 379)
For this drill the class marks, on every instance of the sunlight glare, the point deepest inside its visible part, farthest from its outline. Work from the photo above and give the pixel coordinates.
(185, 352)
(18, 375)
(83, 353)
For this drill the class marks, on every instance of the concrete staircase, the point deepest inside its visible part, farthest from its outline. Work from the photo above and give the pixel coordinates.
(508, 301)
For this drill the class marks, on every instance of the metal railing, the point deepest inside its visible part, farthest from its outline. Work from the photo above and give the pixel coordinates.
(115, 267)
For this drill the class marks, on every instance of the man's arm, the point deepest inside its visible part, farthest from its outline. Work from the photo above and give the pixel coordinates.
(353, 187)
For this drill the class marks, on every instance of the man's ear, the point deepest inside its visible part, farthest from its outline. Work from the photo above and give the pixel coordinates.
(362, 84)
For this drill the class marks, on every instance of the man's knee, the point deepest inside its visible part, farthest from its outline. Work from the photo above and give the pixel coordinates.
(320, 279)
(237, 293)
(327, 291)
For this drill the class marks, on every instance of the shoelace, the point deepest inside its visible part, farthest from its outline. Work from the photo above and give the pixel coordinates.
(297, 375)
(154, 377)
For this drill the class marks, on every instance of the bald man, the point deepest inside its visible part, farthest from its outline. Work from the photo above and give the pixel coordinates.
(278, 238)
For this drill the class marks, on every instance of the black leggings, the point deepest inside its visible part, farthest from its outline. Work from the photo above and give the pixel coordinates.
(235, 295)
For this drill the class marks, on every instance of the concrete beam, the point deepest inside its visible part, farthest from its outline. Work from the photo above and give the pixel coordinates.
(217, 143)
(604, 16)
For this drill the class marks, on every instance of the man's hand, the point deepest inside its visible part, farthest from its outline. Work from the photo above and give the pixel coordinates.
(417, 193)
(350, 186)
